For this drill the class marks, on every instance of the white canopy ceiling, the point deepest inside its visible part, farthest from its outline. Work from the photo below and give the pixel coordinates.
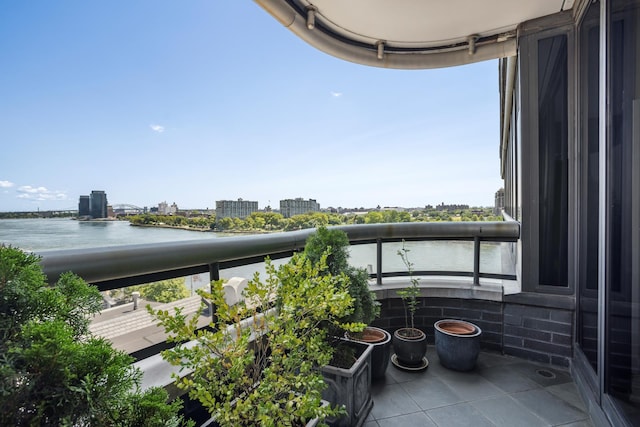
(411, 33)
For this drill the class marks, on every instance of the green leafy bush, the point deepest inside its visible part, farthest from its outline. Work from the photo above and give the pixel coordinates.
(259, 363)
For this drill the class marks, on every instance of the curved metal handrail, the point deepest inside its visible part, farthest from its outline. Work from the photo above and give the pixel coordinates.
(105, 264)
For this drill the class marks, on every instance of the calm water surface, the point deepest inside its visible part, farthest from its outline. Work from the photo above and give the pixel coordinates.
(62, 233)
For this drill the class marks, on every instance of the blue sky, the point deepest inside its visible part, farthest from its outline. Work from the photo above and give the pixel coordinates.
(197, 101)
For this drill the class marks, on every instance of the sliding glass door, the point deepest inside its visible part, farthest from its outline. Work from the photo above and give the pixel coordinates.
(608, 309)
(622, 297)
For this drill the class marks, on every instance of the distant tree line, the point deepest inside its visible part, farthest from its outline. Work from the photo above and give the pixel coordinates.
(38, 214)
(272, 221)
(443, 207)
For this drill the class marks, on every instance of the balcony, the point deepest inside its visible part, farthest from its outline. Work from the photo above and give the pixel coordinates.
(522, 377)
(501, 391)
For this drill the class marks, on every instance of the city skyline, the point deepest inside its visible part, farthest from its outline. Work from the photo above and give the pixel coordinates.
(162, 107)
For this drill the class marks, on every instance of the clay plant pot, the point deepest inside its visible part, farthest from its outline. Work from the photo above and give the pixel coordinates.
(381, 353)
(410, 347)
(457, 344)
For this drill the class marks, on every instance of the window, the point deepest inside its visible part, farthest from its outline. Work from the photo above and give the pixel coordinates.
(552, 160)
(547, 169)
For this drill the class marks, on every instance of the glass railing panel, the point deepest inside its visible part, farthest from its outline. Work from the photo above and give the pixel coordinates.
(435, 255)
(491, 258)
(125, 322)
(498, 258)
(247, 271)
(439, 255)
(363, 256)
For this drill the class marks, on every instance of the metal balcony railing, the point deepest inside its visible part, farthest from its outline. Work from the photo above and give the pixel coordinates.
(120, 266)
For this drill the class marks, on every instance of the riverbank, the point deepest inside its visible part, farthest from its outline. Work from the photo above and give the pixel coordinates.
(174, 227)
(204, 230)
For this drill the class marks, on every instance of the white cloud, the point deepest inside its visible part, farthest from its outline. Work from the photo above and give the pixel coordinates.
(157, 128)
(6, 184)
(336, 94)
(28, 192)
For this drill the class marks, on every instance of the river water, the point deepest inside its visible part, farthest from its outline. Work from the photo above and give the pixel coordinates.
(62, 233)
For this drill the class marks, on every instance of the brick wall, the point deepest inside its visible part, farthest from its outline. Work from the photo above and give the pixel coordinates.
(538, 333)
(530, 332)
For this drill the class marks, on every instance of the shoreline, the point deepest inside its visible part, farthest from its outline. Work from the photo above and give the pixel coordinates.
(202, 230)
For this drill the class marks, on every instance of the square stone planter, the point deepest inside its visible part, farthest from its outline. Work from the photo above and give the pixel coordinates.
(350, 387)
(208, 421)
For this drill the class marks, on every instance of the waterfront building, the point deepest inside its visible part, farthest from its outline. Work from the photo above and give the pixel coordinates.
(173, 209)
(298, 206)
(94, 206)
(235, 208)
(84, 208)
(498, 205)
(98, 204)
(166, 209)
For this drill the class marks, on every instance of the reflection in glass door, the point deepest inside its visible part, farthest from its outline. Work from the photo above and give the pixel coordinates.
(622, 335)
(587, 316)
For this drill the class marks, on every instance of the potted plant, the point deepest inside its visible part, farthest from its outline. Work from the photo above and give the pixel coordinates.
(457, 344)
(378, 338)
(409, 343)
(355, 362)
(259, 363)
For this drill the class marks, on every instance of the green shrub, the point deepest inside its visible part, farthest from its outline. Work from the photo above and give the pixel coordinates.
(334, 244)
(52, 371)
(162, 291)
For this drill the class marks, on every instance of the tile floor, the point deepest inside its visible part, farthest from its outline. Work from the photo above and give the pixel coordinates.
(501, 391)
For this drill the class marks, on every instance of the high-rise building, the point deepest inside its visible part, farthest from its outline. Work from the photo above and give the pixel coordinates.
(499, 202)
(298, 206)
(84, 207)
(173, 209)
(235, 208)
(94, 205)
(98, 204)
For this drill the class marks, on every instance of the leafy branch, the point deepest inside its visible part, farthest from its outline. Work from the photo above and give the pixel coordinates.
(409, 294)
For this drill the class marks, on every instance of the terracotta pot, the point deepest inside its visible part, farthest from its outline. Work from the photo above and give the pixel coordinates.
(457, 344)
(370, 335)
(381, 354)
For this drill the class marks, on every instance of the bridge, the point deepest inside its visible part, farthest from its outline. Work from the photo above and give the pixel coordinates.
(127, 209)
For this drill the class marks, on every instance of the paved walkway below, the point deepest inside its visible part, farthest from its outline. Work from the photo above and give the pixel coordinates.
(131, 330)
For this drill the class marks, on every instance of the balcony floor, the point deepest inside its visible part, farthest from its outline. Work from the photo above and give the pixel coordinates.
(501, 391)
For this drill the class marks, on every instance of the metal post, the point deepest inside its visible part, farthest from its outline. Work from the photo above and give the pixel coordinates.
(603, 136)
(476, 261)
(214, 271)
(214, 274)
(379, 261)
